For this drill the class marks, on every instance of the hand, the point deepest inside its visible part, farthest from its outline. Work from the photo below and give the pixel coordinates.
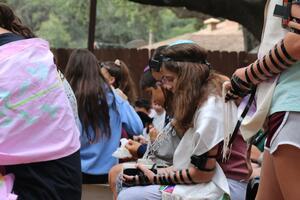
(141, 139)
(165, 171)
(132, 147)
(153, 133)
(148, 175)
(238, 86)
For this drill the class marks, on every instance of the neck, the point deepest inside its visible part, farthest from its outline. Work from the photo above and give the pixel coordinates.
(2, 30)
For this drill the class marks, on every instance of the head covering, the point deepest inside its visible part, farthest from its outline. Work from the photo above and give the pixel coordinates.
(181, 42)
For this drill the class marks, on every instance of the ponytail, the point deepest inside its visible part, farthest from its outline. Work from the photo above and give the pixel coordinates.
(10, 22)
(123, 80)
(126, 83)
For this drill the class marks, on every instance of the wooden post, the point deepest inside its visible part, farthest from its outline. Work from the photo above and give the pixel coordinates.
(92, 24)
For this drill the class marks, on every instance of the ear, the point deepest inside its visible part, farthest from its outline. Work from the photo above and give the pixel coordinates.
(111, 80)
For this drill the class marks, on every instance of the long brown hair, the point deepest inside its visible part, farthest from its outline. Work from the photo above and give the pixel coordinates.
(195, 81)
(82, 72)
(123, 80)
(10, 22)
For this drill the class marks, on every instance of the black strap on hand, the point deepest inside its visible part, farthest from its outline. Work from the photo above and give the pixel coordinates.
(244, 113)
(239, 87)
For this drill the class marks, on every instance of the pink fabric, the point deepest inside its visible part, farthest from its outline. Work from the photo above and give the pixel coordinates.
(36, 120)
(6, 185)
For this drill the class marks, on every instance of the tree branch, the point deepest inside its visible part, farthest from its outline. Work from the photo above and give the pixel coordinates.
(249, 13)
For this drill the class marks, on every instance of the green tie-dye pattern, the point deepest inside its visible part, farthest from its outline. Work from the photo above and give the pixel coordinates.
(24, 88)
(7, 106)
(33, 97)
(6, 122)
(30, 120)
(51, 110)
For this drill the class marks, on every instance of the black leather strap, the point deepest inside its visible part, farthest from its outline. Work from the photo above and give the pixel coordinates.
(239, 123)
(275, 64)
(280, 59)
(286, 54)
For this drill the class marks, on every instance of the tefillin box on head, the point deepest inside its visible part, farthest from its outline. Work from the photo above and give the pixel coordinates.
(284, 12)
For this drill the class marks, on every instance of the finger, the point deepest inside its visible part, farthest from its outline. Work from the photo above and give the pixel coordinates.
(150, 126)
(127, 177)
(233, 93)
(144, 169)
(227, 85)
(135, 138)
(229, 96)
(130, 141)
(294, 25)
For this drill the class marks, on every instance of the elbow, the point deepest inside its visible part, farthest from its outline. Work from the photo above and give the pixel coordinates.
(293, 45)
(199, 176)
(296, 50)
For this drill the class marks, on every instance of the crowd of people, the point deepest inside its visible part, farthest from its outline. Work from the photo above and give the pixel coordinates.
(184, 139)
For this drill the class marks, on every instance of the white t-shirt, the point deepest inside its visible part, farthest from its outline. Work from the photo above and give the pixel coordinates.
(159, 121)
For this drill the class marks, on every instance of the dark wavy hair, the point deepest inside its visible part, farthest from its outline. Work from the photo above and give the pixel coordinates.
(10, 22)
(90, 88)
(195, 82)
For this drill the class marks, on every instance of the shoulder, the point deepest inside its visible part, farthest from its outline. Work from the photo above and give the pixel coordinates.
(212, 106)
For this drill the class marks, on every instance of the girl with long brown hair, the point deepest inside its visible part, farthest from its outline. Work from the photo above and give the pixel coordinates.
(198, 110)
(102, 115)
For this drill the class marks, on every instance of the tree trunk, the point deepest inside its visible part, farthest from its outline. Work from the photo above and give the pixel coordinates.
(249, 13)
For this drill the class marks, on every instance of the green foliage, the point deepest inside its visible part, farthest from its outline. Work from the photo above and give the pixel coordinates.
(65, 22)
(60, 37)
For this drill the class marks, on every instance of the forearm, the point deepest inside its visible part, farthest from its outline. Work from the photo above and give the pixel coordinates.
(188, 176)
(283, 55)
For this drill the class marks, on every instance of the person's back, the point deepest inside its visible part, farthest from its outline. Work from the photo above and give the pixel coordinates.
(102, 114)
(96, 158)
(34, 106)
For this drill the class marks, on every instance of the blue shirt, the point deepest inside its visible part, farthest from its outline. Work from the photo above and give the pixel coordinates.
(286, 96)
(96, 158)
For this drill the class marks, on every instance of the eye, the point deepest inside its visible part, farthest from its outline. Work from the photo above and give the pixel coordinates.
(167, 78)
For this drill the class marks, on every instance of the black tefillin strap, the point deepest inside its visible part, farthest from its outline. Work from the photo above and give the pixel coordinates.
(155, 64)
(236, 84)
(244, 113)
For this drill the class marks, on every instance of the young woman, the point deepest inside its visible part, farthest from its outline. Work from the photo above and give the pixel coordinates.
(39, 139)
(102, 115)
(277, 100)
(118, 76)
(197, 98)
(138, 146)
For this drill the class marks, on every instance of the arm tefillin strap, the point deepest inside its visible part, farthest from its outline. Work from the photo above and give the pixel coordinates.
(262, 69)
(240, 88)
(277, 63)
(284, 12)
(200, 161)
(177, 177)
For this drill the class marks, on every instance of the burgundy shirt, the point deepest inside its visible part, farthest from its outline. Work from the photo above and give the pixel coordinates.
(238, 166)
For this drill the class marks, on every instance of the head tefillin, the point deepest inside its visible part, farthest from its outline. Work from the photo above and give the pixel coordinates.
(155, 64)
(284, 12)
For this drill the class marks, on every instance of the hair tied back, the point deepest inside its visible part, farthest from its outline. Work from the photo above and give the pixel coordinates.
(118, 62)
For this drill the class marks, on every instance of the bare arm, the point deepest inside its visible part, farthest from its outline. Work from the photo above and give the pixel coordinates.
(283, 55)
(199, 173)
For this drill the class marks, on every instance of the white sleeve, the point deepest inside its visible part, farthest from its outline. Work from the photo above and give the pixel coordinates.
(209, 125)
